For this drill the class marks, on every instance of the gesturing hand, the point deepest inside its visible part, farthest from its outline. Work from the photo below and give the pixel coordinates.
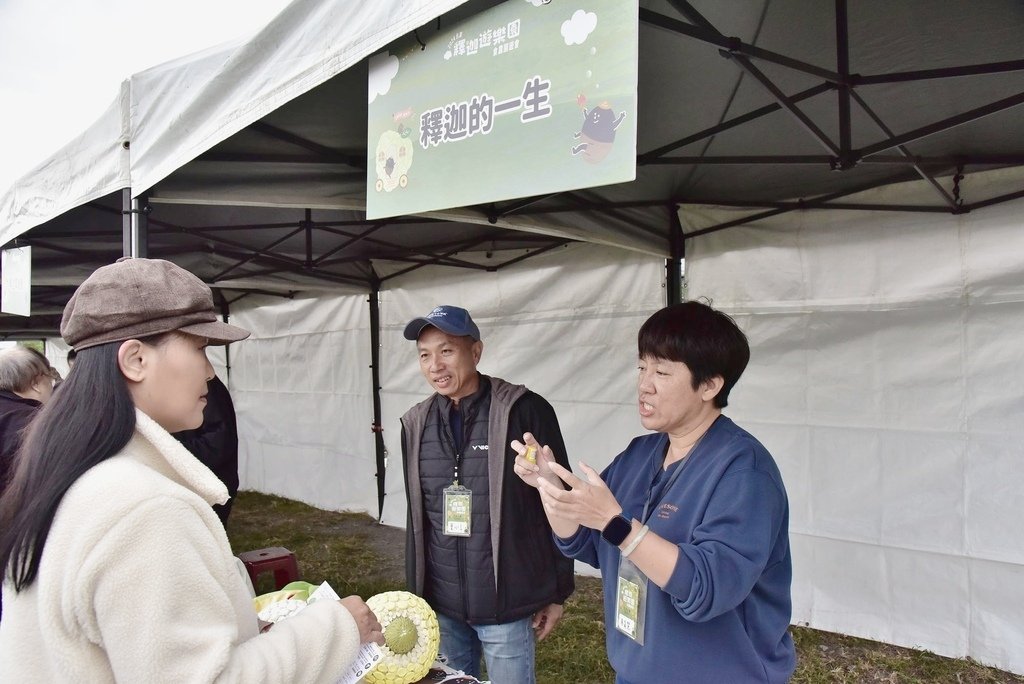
(529, 472)
(369, 627)
(587, 502)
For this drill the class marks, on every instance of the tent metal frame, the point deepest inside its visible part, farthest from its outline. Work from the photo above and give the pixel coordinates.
(141, 219)
(838, 157)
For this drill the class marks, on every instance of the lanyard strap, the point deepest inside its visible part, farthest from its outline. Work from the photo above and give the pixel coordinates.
(465, 424)
(675, 473)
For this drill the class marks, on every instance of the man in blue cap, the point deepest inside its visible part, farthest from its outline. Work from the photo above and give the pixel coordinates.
(479, 548)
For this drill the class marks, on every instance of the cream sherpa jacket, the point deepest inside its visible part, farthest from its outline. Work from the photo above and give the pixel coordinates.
(137, 583)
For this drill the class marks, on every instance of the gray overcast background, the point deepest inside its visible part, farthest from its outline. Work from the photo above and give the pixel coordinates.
(62, 61)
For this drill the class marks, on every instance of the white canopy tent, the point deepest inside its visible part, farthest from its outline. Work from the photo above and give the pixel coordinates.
(884, 332)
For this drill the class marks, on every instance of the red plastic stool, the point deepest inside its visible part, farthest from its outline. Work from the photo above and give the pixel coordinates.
(276, 559)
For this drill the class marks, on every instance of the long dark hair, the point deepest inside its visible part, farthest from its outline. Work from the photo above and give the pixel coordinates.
(87, 421)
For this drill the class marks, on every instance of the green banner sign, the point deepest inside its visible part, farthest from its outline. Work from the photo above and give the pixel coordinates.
(530, 97)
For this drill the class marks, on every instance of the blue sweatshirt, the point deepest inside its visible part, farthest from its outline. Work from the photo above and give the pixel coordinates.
(723, 616)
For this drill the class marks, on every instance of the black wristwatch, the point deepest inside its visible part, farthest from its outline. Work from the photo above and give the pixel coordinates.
(616, 531)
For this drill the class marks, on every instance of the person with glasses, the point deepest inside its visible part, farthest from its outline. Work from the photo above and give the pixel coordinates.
(478, 547)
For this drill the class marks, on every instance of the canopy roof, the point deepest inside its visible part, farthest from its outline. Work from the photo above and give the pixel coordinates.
(250, 160)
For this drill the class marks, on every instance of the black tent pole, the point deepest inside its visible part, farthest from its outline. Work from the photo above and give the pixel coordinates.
(378, 429)
(673, 266)
(140, 217)
(843, 67)
(134, 224)
(126, 222)
(225, 314)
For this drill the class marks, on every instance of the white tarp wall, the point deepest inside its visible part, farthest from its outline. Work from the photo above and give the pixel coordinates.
(302, 391)
(564, 324)
(886, 380)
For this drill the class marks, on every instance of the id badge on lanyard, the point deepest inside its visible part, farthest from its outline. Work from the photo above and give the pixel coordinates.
(458, 511)
(632, 584)
(631, 601)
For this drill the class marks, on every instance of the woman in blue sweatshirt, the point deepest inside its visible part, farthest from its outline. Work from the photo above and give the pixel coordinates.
(689, 525)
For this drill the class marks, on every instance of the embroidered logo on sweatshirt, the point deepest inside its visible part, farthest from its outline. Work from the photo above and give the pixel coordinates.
(666, 510)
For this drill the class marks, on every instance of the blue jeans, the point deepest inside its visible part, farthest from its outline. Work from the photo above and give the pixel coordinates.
(507, 648)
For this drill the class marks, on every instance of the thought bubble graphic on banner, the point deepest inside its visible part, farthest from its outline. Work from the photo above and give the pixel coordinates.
(383, 69)
(576, 30)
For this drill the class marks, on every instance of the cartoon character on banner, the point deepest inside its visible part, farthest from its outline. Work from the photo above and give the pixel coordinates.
(598, 132)
(394, 154)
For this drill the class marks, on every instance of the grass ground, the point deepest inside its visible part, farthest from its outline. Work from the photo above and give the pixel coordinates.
(358, 556)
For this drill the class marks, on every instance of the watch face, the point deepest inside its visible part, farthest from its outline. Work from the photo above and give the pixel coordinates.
(616, 531)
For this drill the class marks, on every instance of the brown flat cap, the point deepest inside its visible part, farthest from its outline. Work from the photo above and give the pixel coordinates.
(134, 298)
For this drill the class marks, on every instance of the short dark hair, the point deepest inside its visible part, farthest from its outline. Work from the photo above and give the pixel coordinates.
(708, 341)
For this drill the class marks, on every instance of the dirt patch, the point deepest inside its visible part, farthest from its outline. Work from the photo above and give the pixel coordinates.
(386, 542)
(350, 550)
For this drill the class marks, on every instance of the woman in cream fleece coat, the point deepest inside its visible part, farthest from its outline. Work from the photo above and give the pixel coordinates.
(117, 567)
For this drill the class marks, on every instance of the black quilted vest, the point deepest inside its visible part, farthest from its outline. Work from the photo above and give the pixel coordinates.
(460, 570)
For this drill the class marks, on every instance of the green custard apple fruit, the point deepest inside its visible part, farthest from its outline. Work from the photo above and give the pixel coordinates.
(411, 638)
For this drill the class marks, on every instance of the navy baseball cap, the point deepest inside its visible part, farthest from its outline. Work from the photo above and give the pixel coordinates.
(450, 319)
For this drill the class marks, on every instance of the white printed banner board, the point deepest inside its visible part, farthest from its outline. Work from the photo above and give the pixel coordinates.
(16, 281)
(530, 97)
